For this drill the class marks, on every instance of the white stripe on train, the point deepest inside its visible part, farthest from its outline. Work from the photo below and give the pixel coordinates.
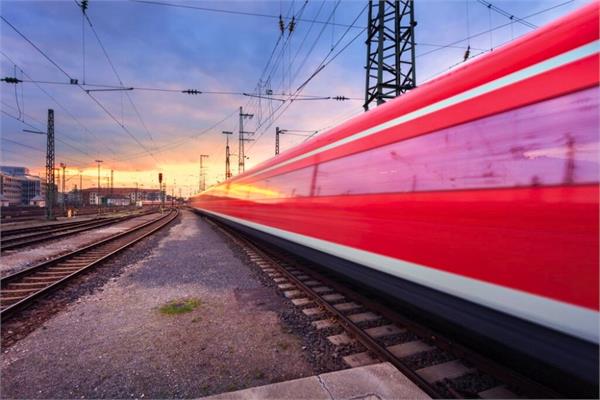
(568, 318)
(523, 74)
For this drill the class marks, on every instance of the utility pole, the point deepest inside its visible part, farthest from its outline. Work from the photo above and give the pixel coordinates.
(202, 180)
(390, 43)
(227, 154)
(162, 194)
(112, 181)
(242, 138)
(277, 132)
(50, 167)
(63, 166)
(98, 191)
(80, 198)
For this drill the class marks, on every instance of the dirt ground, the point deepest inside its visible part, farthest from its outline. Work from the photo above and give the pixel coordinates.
(127, 340)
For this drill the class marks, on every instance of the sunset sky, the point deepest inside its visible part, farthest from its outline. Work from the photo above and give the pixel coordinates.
(157, 46)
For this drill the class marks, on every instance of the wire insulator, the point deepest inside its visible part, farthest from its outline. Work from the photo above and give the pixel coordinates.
(191, 91)
(292, 25)
(467, 53)
(341, 98)
(281, 24)
(10, 79)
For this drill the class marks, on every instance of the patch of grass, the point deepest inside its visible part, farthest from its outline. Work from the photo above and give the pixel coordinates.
(180, 306)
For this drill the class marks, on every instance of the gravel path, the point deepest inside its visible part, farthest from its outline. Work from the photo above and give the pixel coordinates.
(115, 343)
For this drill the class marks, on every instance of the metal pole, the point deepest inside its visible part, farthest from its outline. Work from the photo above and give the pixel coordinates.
(241, 144)
(98, 201)
(241, 152)
(63, 166)
(277, 140)
(50, 167)
(80, 188)
(227, 155)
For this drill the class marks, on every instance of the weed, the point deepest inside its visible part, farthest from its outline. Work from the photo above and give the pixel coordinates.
(180, 306)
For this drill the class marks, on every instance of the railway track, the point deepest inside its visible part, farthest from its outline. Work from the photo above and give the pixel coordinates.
(17, 238)
(368, 332)
(23, 288)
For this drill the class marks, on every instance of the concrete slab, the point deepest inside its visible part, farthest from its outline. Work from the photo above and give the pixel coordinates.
(292, 293)
(312, 283)
(347, 306)
(364, 317)
(359, 360)
(409, 348)
(378, 381)
(309, 312)
(498, 392)
(385, 330)
(333, 297)
(340, 339)
(301, 302)
(322, 324)
(450, 370)
(285, 286)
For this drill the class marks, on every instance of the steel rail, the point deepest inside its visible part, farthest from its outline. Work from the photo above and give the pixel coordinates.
(481, 363)
(97, 257)
(52, 232)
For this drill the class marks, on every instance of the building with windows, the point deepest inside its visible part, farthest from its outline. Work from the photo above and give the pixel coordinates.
(91, 197)
(19, 188)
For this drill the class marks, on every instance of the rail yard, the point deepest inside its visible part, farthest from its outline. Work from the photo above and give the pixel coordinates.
(183, 234)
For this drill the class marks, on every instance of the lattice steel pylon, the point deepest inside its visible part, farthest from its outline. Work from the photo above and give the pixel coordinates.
(390, 50)
(50, 186)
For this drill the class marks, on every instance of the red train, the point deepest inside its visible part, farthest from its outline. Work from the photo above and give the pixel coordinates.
(473, 198)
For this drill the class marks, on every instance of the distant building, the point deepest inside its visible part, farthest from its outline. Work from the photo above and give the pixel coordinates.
(118, 200)
(90, 196)
(18, 187)
(10, 188)
(14, 171)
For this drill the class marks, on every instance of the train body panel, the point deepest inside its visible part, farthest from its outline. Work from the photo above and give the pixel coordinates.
(480, 186)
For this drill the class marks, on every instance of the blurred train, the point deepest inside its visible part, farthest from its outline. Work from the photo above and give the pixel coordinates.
(472, 199)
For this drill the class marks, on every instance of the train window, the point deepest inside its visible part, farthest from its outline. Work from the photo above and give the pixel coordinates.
(554, 142)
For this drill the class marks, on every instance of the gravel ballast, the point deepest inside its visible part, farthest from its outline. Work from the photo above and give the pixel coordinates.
(118, 341)
(18, 259)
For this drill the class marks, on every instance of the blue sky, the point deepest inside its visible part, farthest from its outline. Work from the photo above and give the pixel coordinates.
(158, 46)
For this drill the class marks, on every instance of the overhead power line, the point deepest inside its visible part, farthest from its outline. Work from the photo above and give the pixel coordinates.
(448, 45)
(112, 66)
(62, 107)
(234, 12)
(507, 14)
(107, 87)
(106, 111)
(322, 65)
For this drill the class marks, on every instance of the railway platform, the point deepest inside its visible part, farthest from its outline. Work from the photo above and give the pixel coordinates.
(378, 381)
